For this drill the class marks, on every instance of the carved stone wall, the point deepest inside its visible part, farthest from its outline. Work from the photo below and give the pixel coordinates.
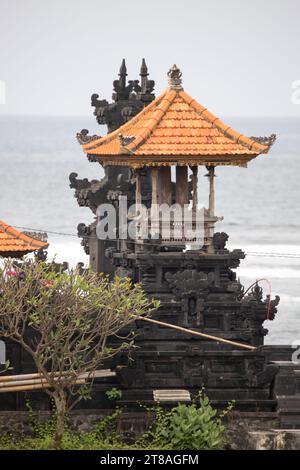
(199, 291)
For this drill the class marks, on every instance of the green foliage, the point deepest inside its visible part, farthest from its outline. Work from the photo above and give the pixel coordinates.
(195, 426)
(114, 394)
(70, 316)
(103, 436)
(187, 427)
(6, 366)
(43, 430)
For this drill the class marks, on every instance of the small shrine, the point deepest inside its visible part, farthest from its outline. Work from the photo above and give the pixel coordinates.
(196, 284)
(175, 131)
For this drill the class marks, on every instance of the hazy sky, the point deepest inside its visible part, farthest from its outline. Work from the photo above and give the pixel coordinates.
(238, 57)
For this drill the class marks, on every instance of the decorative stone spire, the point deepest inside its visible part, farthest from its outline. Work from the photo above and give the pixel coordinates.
(144, 69)
(144, 74)
(123, 73)
(175, 82)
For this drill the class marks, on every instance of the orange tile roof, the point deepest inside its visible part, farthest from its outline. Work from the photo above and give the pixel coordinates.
(15, 244)
(174, 128)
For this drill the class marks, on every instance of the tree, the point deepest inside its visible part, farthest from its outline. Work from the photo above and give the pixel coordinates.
(63, 320)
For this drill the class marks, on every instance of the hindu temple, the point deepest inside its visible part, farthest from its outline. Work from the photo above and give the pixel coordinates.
(209, 330)
(151, 155)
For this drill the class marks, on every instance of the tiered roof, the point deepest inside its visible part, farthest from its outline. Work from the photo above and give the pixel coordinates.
(16, 244)
(175, 129)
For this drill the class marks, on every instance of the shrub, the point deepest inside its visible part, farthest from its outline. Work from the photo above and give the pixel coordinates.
(187, 427)
(195, 426)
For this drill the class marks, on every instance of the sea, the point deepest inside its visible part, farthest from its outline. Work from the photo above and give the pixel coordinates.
(260, 204)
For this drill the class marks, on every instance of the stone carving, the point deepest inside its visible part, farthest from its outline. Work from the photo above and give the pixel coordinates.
(145, 91)
(128, 99)
(270, 140)
(41, 255)
(78, 184)
(174, 74)
(84, 232)
(122, 271)
(220, 240)
(125, 140)
(188, 282)
(191, 286)
(41, 236)
(257, 292)
(274, 303)
(83, 136)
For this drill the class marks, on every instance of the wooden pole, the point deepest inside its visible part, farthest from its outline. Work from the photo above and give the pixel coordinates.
(138, 187)
(211, 175)
(154, 203)
(182, 193)
(138, 203)
(197, 333)
(95, 374)
(14, 383)
(25, 388)
(165, 185)
(195, 189)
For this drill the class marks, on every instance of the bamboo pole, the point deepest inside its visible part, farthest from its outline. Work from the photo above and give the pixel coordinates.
(197, 333)
(14, 383)
(24, 388)
(38, 380)
(95, 374)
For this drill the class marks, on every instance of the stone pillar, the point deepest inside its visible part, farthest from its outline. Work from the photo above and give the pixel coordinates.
(182, 194)
(99, 263)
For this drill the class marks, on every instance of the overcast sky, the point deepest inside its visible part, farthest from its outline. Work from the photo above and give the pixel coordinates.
(238, 57)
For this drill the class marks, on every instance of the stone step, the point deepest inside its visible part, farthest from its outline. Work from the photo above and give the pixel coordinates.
(177, 395)
(287, 403)
(275, 439)
(288, 410)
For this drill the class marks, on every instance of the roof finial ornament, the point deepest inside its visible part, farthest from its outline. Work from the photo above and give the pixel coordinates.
(144, 69)
(175, 82)
(123, 69)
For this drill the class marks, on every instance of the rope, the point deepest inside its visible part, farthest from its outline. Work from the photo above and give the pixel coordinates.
(250, 253)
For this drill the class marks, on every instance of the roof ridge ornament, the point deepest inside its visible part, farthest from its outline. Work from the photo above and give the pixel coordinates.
(269, 140)
(175, 81)
(125, 139)
(83, 137)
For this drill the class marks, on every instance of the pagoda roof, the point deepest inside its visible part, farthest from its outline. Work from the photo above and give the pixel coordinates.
(174, 130)
(16, 244)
